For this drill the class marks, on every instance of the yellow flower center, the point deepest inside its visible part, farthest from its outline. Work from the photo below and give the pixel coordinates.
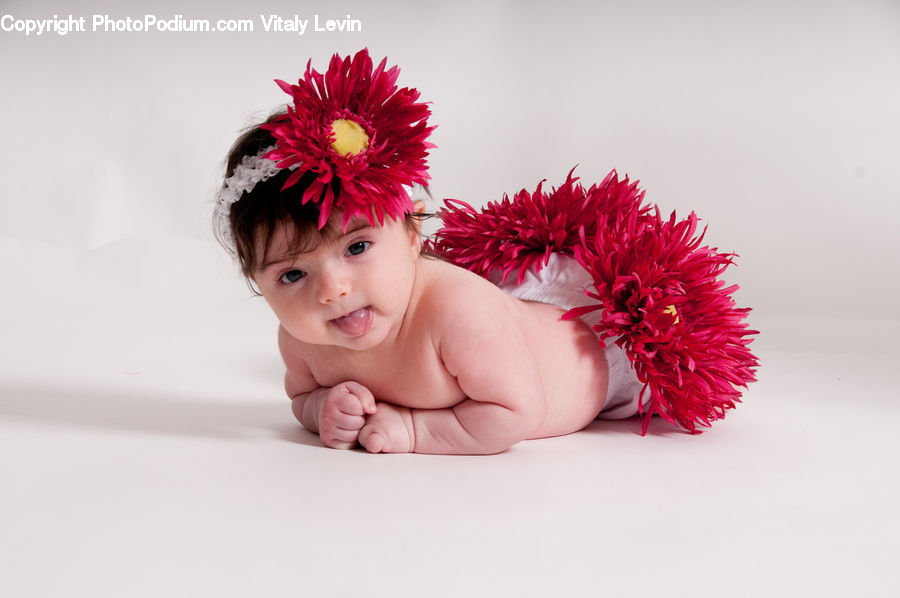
(349, 137)
(672, 312)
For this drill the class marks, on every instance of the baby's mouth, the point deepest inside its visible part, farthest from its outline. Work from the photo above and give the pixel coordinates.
(356, 323)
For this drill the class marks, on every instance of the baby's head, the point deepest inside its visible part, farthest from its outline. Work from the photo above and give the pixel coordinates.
(350, 146)
(252, 221)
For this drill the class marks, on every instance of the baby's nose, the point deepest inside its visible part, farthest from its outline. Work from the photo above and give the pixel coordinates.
(333, 285)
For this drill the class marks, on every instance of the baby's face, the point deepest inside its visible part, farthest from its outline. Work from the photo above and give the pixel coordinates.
(351, 291)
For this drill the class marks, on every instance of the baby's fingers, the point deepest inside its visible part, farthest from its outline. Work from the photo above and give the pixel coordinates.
(365, 397)
(347, 403)
(372, 441)
(340, 439)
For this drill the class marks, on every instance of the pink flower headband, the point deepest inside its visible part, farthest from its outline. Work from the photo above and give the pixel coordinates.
(364, 139)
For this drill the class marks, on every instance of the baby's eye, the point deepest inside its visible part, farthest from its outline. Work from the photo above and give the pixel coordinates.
(359, 247)
(292, 276)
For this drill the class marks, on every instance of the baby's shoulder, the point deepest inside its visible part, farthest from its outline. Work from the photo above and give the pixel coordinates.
(452, 295)
(448, 283)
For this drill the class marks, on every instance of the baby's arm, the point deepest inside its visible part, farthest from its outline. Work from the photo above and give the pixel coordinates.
(482, 346)
(336, 414)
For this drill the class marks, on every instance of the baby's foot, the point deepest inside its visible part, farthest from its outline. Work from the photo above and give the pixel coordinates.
(388, 430)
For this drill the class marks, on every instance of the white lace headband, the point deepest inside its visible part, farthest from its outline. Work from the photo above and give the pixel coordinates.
(246, 175)
(251, 171)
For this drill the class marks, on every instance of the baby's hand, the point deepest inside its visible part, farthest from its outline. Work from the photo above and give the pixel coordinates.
(388, 430)
(342, 414)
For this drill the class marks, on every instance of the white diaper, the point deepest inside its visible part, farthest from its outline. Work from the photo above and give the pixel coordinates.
(562, 283)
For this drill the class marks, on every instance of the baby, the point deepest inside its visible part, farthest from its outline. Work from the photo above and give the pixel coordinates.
(402, 353)
(385, 346)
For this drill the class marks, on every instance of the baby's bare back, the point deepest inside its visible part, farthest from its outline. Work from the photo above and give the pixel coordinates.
(572, 366)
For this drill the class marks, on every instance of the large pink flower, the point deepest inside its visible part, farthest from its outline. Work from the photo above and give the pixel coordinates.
(519, 234)
(659, 289)
(662, 297)
(364, 139)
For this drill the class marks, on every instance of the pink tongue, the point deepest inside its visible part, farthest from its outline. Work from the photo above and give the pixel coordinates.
(354, 323)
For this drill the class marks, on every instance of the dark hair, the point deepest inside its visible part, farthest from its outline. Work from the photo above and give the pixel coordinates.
(258, 212)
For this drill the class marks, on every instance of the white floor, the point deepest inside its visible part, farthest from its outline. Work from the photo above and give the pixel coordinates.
(146, 449)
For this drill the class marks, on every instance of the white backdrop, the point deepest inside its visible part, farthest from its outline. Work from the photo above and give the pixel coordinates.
(145, 441)
(776, 122)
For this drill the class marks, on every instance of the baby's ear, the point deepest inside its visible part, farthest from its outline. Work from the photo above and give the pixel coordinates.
(414, 225)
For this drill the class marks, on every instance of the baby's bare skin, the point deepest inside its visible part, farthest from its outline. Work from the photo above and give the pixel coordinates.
(469, 369)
